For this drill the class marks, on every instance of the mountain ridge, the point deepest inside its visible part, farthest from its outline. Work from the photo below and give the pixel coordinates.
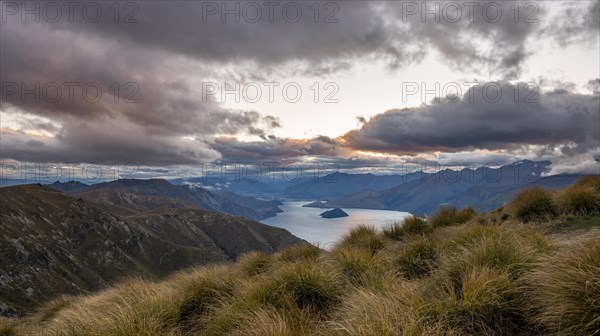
(189, 196)
(52, 243)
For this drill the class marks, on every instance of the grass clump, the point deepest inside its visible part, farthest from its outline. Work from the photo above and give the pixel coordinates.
(533, 204)
(484, 303)
(299, 252)
(410, 225)
(566, 290)
(7, 327)
(579, 199)
(396, 312)
(361, 267)
(50, 309)
(134, 308)
(416, 258)
(364, 237)
(254, 263)
(447, 216)
(310, 287)
(200, 290)
(592, 181)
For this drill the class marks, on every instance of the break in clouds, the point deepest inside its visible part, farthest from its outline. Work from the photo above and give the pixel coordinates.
(150, 72)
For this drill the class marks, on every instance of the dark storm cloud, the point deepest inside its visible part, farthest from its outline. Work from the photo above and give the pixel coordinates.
(158, 99)
(166, 105)
(275, 148)
(563, 120)
(103, 143)
(395, 31)
(323, 151)
(170, 50)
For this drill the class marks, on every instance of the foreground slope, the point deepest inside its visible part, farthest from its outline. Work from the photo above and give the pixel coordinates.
(52, 244)
(530, 268)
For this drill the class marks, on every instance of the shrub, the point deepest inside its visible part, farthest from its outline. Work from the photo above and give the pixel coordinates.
(579, 200)
(410, 225)
(533, 204)
(566, 290)
(415, 259)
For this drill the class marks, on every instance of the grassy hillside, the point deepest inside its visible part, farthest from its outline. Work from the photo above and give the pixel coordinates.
(53, 244)
(530, 268)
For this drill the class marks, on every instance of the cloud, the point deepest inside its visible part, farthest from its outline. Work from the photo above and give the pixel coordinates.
(104, 143)
(470, 36)
(575, 23)
(171, 50)
(276, 149)
(563, 120)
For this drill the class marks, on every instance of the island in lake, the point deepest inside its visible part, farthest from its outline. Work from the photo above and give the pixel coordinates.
(335, 213)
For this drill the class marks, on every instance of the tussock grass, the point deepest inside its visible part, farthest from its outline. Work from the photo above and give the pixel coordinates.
(590, 181)
(534, 204)
(49, 310)
(447, 216)
(579, 199)
(565, 290)
(304, 285)
(460, 273)
(299, 252)
(410, 225)
(255, 263)
(396, 312)
(200, 289)
(416, 258)
(483, 302)
(364, 237)
(362, 268)
(134, 308)
(7, 327)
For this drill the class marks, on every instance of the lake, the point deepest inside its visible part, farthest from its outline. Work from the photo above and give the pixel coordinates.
(308, 225)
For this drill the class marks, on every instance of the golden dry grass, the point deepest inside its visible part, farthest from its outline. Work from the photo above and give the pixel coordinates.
(474, 278)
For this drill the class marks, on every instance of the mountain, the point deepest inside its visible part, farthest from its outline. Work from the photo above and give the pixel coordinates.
(341, 184)
(52, 243)
(328, 186)
(126, 195)
(483, 188)
(263, 187)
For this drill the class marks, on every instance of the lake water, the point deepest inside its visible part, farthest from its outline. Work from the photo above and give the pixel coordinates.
(308, 225)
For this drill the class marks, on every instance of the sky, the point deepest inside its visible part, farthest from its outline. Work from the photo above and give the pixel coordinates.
(363, 86)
